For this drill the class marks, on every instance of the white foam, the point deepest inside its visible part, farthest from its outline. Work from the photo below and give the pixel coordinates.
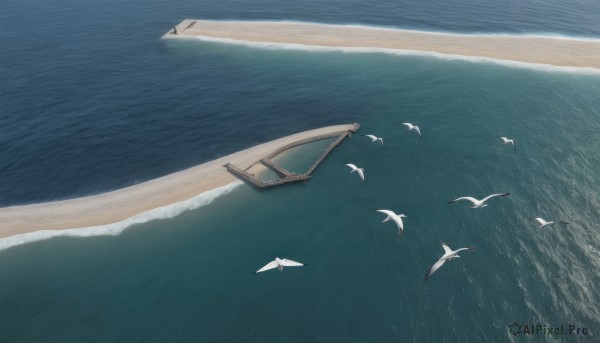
(398, 52)
(114, 229)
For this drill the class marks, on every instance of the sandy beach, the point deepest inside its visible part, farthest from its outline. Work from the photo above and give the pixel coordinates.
(115, 206)
(556, 51)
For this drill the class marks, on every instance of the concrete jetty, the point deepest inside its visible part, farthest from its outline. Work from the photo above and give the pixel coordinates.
(285, 175)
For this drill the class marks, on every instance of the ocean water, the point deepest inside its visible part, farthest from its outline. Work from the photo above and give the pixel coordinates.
(93, 100)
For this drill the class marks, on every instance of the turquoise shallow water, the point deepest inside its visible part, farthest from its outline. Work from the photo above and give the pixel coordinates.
(93, 101)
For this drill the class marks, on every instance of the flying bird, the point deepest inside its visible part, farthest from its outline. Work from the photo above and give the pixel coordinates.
(506, 141)
(478, 203)
(544, 223)
(375, 139)
(279, 264)
(413, 127)
(448, 255)
(360, 171)
(396, 218)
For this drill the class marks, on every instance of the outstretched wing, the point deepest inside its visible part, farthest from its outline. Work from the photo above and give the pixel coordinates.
(446, 248)
(373, 138)
(471, 199)
(290, 263)
(270, 265)
(408, 126)
(435, 267)
(538, 219)
(352, 166)
(493, 196)
(388, 212)
(418, 130)
(399, 223)
(361, 173)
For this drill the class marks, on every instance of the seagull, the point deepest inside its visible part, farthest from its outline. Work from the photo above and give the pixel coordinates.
(360, 171)
(375, 139)
(279, 264)
(506, 141)
(448, 255)
(479, 203)
(412, 127)
(397, 218)
(544, 223)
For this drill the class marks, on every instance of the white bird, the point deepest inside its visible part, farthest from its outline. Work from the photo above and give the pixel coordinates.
(448, 255)
(506, 141)
(279, 264)
(360, 171)
(374, 139)
(397, 218)
(479, 203)
(544, 223)
(412, 127)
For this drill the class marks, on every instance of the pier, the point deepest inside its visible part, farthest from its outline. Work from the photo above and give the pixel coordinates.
(285, 175)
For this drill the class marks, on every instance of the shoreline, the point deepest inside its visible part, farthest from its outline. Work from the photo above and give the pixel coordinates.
(126, 203)
(558, 51)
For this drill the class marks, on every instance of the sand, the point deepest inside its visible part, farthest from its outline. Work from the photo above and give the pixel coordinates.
(556, 51)
(115, 206)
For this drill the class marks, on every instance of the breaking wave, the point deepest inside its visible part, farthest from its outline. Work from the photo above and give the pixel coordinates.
(114, 229)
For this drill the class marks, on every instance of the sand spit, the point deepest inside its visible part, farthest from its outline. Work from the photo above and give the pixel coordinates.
(119, 205)
(543, 50)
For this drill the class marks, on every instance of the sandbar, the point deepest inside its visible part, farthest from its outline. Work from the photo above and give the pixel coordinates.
(118, 205)
(545, 50)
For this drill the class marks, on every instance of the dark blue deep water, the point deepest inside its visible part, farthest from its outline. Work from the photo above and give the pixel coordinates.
(91, 100)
